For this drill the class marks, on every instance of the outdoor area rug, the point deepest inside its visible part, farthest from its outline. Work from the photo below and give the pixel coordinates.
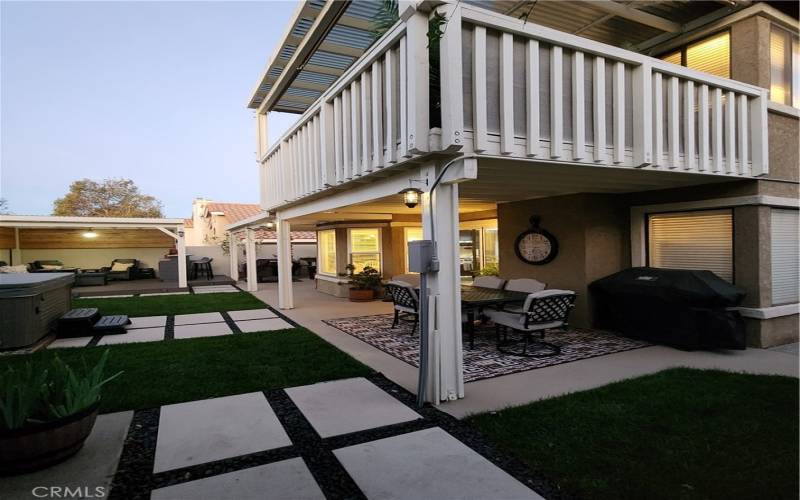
(484, 361)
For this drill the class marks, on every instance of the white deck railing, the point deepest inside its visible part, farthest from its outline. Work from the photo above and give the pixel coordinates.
(517, 90)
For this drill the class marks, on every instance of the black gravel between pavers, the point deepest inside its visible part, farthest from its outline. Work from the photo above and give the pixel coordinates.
(169, 328)
(135, 480)
(229, 321)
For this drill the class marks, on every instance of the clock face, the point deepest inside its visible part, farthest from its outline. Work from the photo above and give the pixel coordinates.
(536, 247)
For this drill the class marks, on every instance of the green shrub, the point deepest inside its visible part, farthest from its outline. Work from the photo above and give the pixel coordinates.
(49, 390)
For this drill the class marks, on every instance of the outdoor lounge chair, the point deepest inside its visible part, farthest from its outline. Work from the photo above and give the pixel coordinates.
(542, 311)
(405, 301)
(489, 282)
(121, 269)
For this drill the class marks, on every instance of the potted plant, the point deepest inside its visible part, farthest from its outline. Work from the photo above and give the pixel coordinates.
(47, 410)
(363, 284)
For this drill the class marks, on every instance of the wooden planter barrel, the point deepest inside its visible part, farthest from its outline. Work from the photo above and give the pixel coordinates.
(359, 295)
(41, 445)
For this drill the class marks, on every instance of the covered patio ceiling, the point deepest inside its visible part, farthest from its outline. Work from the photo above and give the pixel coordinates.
(325, 37)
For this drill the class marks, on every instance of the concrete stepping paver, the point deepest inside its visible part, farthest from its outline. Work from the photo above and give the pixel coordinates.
(147, 322)
(156, 294)
(260, 325)
(349, 405)
(134, 336)
(70, 342)
(427, 464)
(288, 479)
(212, 429)
(215, 289)
(251, 314)
(202, 330)
(197, 318)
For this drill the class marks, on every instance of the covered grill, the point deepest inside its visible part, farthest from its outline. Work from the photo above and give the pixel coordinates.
(687, 309)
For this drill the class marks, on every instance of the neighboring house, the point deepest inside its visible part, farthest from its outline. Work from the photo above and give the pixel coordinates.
(680, 153)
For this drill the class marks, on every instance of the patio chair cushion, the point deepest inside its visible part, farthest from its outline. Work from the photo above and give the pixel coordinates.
(411, 279)
(121, 266)
(525, 285)
(21, 268)
(489, 282)
(517, 321)
(403, 296)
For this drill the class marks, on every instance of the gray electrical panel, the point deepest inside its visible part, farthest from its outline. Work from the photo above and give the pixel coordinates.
(420, 256)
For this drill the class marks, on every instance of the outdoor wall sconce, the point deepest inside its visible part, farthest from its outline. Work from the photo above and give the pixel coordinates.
(411, 196)
(269, 225)
(90, 234)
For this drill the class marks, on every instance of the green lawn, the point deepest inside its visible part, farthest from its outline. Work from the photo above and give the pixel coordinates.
(676, 434)
(158, 373)
(172, 304)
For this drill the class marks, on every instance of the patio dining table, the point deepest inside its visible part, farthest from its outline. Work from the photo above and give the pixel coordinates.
(475, 297)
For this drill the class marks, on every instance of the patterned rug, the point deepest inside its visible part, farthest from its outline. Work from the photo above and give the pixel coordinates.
(485, 361)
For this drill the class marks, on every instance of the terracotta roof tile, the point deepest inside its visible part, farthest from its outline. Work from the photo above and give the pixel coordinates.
(188, 223)
(234, 212)
(263, 234)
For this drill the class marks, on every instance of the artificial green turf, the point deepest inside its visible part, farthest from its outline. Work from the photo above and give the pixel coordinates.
(172, 371)
(677, 434)
(172, 304)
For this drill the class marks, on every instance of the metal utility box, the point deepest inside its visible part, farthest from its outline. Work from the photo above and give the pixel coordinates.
(30, 305)
(420, 256)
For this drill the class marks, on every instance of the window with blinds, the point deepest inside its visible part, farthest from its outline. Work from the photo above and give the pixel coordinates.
(785, 256)
(692, 240)
(326, 247)
(784, 60)
(711, 55)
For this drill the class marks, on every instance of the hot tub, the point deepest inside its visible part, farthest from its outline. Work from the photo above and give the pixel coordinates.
(30, 305)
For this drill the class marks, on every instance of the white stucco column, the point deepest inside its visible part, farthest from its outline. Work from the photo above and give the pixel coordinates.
(250, 258)
(233, 254)
(285, 292)
(445, 375)
(180, 244)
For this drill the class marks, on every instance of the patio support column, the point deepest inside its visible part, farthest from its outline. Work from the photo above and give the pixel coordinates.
(285, 292)
(250, 257)
(233, 254)
(445, 376)
(16, 253)
(180, 244)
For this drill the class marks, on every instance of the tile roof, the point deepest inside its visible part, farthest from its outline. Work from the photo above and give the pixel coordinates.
(188, 222)
(264, 234)
(234, 212)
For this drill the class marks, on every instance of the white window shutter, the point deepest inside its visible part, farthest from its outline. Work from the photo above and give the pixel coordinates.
(785, 256)
(701, 240)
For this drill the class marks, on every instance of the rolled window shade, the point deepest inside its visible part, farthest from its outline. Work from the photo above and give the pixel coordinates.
(785, 256)
(779, 88)
(700, 240)
(712, 55)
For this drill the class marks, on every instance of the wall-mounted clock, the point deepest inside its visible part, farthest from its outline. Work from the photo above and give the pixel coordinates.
(536, 246)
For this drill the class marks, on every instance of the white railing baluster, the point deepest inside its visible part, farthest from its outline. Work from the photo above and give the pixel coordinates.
(451, 74)
(327, 165)
(642, 88)
(390, 92)
(347, 144)
(578, 108)
(688, 125)
(759, 128)
(716, 130)
(703, 131)
(377, 116)
(619, 112)
(355, 123)
(338, 140)
(304, 167)
(658, 120)
(417, 86)
(532, 96)
(730, 134)
(403, 88)
(315, 147)
(744, 125)
(506, 93)
(673, 122)
(479, 89)
(556, 103)
(366, 124)
(599, 115)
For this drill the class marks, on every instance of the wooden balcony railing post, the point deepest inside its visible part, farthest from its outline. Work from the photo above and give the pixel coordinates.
(450, 78)
(416, 82)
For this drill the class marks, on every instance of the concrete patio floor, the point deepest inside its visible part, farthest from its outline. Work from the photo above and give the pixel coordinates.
(312, 307)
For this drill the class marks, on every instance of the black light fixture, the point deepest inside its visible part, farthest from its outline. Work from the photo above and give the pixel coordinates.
(411, 196)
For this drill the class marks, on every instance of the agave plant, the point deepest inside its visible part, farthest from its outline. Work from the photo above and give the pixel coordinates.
(43, 392)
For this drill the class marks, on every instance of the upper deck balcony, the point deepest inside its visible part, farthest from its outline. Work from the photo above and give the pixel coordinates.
(509, 88)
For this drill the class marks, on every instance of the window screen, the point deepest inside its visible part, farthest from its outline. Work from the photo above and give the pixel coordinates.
(692, 240)
(785, 256)
(326, 241)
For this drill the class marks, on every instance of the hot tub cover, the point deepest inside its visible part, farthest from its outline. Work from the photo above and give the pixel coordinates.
(24, 284)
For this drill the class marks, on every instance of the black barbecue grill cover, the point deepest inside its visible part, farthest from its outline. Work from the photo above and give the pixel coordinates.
(686, 309)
